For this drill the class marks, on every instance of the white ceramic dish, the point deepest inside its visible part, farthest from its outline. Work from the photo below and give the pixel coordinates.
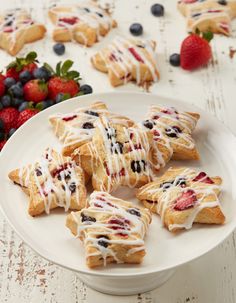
(48, 236)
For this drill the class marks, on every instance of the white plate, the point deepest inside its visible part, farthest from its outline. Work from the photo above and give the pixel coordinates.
(49, 237)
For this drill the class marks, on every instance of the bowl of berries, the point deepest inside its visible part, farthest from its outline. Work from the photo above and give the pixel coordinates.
(28, 87)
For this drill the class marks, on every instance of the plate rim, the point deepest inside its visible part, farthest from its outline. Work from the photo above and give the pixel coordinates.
(99, 96)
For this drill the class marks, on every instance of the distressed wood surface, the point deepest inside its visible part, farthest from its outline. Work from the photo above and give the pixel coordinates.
(24, 276)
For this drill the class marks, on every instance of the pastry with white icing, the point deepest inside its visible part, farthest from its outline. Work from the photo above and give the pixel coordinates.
(112, 230)
(18, 28)
(121, 155)
(127, 60)
(77, 128)
(182, 196)
(176, 126)
(53, 181)
(209, 15)
(84, 23)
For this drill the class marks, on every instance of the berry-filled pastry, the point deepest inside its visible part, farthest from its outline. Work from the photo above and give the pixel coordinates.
(177, 127)
(209, 15)
(53, 181)
(77, 128)
(18, 28)
(120, 156)
(127, 60)
(183, 196)
(112, 230)
(84, 23)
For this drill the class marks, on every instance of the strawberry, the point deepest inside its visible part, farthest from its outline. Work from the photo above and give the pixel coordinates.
(195, 51)
(2, 143)
(9, 117)
(63, 80)
(35, 91)
(21, 64)
(186, 200)
(25, 115)
(2, 86)
(202, 177)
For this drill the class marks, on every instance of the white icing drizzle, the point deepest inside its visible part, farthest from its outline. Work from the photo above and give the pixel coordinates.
(123, 56)
(114, 222)
(56, 179)
(168, 117)
(163, 199)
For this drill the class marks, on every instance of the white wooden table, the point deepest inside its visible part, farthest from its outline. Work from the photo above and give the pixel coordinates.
(26, 277)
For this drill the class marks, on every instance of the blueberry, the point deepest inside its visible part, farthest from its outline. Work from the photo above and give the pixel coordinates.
(86, 89)
(11, 132)
(85, 218)
(87, 125)
(117, 148)
(173, 131)
(38, 172)
(175, 59)
(16, 102)
(6, 101)
(222, 2)
(1, 124)
(42, 73)
(9, 82)
(16, 90)
(91, 113)
(23, 106)
(25, 76)
(134, 212)
(181, 182)
(59, 98)
(2, 135)
(138, 166)
(59, 48)
(149, 124)
(72, 187)
(136, 29)
(103, 241)
(166, 185)
(157, 10)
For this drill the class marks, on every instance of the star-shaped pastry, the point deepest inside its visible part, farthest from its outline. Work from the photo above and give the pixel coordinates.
(182, 196)
(112, 230)
(53, 181)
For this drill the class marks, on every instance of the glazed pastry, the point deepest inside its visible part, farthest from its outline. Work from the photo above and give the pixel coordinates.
(209, 15)
(183, 196)
(119, 156)
(84, 23)
(112, 230)
(17, 28)
(53, 181)
(77, 128)
(177, 126)
(125, 60)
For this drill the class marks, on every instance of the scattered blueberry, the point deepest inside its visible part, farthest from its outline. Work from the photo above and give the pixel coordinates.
(42, 73)
(2, 135)
(1, 124)
(16, 102)
(149, 124)
(173, 131)
(6, 101)
(166, 185)
(92, 113)
(222, 2)
(157, 10)
(23, 106)
(86, 89)
(138, 166)
(175, 59)
(11, 132)
(16, 90)
(59, 98)
(103, 241)
(25, 76)
(134, 212)
(85, 218)
(72, 187)
(87, 125)
(136, 29)
(9, 82)
(38, 172)
(181, 182)
(59, 48)
(117, 148)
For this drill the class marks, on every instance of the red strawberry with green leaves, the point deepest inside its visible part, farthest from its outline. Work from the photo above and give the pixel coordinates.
(35, 90)
(63, 80)
(2, 85)
(25, 115)
(195, 51)
(9, 117)
(20, 64)
(2, 143)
